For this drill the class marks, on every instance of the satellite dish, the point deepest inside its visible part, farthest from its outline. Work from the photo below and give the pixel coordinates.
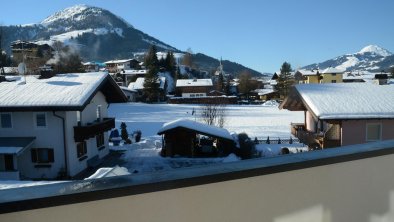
(22, 68)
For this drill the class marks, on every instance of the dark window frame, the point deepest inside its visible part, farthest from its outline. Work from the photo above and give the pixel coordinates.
(3, 121)
(37, 121)
(37, 158)
(82, 150)
(100, 141)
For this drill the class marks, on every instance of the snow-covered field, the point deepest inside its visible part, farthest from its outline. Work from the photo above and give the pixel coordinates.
(255, 120)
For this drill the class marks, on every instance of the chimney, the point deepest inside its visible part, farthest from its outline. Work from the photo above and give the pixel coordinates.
(46, 72)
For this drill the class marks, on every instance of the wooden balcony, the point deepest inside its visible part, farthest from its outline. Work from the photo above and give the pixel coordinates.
(90, 130)
(313, 140)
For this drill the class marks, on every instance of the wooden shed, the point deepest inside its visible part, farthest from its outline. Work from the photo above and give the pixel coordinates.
(189, 138)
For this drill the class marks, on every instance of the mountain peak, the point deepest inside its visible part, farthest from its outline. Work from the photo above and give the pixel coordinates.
(374, 49)
(82, 13)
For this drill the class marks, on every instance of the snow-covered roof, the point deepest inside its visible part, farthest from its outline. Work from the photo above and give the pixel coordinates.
(133, 72)
(139, 83)
(306, 72)
(332, 70)
(89, 63)
(118, 61)
(262, 92)
(127, 89)
(109, 172)
(348, 100)
(196, 126)
(193, 82)
(64, 90)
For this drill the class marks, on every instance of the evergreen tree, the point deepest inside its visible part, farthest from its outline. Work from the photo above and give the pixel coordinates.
(4, 59)
(178, 74)
(228, 86)
(170, 64)
(284, 80)
(152, 84)
(392, 72)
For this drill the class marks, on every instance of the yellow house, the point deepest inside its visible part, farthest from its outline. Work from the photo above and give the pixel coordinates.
(307, 76)
(329, 75)
(332, 75)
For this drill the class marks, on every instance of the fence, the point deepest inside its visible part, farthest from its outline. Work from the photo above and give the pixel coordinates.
(276, 141)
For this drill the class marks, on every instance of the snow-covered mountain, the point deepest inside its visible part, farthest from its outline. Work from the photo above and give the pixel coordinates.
(98, 34)
(371, 58)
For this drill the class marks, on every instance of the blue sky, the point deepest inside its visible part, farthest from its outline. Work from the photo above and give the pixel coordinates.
(260, 34)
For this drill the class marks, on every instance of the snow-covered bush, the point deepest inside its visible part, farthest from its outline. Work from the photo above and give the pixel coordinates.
(123, 131)
(137, 135)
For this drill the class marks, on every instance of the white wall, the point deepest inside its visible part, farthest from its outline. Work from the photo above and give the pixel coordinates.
(310, 122)
(23, 125)
(188, 95)
(88, 115)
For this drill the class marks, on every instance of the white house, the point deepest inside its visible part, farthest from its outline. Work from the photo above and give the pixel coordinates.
(193, 87)
(55, 127)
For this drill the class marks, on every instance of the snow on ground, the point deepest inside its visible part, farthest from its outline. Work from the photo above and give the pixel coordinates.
(10, 184)
(255, 120)
(144, 157)
(268, 150)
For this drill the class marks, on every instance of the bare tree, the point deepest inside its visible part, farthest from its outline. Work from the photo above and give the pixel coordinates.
(214, 113)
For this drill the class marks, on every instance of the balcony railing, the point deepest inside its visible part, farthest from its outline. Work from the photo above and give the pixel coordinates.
(82, 133)
(312, 139)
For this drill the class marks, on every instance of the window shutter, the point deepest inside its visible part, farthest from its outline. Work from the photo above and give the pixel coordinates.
(51, 156)
(34, 155)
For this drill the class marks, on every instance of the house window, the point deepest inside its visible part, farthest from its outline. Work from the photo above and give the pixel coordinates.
(81, 149)
(374, 131)
(6, 162)
(42, 155)
(41, 120)
(6, 120)
(333, 74)
(100, 141)
(98, 112)
(333, 81)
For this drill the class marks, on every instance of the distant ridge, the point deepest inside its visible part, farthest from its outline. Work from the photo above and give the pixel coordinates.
(99, 35)
(371, 58)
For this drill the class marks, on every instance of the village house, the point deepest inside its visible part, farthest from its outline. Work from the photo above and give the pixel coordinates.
(117, 66)
(191, 88)
(138, 88)
(32, 54)
(55, 127)
(91, 66)
(264, 94)
(328, 75)
(189, 138)
(342, 114)
(132, 74)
